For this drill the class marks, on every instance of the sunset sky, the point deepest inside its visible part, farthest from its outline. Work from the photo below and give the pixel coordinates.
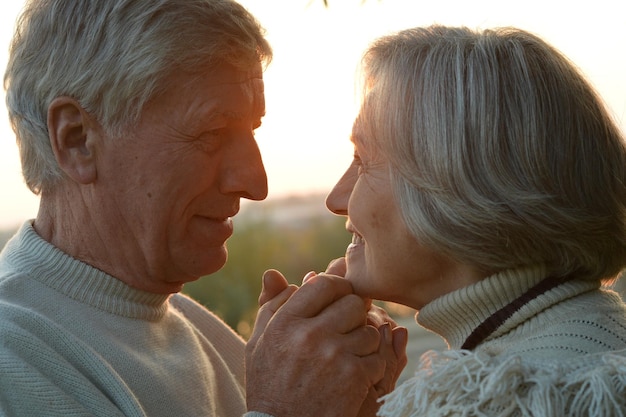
(310, 93)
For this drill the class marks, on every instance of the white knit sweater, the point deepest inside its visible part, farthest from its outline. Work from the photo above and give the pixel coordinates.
(75, 341)
(561, 354)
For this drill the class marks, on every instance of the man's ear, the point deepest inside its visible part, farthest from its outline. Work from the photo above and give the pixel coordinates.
(73, 139)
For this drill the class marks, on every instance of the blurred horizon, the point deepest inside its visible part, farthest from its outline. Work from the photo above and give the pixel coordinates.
(310, 85)
(294, 235)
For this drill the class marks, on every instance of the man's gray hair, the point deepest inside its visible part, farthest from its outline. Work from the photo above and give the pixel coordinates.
(113, 56)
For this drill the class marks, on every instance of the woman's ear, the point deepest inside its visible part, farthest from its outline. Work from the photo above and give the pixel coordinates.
(73, 139)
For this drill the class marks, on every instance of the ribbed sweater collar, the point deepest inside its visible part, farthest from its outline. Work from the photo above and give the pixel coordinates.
(29, 254)
(455, 315)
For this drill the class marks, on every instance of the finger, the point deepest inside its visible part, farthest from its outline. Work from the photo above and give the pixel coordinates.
(343, 315)
(316, 294)
(400, 342)
(373, 368)
(337, 267)
(370, 406)
(273, 284)
(268, 309)
(377, 316)
(394, 362)
(386, 351)
(308, 276)
(362, 341)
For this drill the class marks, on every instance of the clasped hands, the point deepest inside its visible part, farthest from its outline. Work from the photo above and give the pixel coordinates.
(320, 350)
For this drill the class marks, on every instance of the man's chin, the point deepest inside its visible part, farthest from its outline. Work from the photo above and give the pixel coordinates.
(207, 263)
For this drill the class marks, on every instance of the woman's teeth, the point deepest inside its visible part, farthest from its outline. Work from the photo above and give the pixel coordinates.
(356, 239)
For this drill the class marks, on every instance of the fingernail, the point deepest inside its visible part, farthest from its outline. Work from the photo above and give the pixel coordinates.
(404, 332)
(308, 276)
(401, 338)
(386, 328)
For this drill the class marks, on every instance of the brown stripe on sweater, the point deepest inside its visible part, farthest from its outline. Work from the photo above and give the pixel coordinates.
(498, 318)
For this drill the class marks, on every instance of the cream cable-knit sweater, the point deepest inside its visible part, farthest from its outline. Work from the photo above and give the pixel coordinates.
(75, 341)
(561, 354)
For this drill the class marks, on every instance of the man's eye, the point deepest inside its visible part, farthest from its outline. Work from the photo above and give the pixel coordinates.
(210, 140)
(215, 132)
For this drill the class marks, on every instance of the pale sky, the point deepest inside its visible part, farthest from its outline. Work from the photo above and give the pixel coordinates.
(309, 86)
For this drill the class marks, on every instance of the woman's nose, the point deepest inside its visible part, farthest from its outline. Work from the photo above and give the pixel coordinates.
(337, 199)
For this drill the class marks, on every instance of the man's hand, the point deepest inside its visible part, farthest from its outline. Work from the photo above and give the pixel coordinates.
(315, 350)
(311, 352)
(276, 290)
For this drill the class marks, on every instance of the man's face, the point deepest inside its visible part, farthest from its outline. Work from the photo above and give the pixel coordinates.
(176, 178)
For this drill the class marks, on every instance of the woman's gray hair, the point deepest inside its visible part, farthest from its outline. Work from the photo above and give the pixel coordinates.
(113, 56)
(502, 154)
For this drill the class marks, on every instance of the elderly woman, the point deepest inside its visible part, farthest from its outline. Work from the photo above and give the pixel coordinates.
(488, 192)
(135, 121)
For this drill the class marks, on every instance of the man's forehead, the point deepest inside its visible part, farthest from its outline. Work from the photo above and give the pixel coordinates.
(225, 74)
(257, 88)
(252, 84)
(253, 89)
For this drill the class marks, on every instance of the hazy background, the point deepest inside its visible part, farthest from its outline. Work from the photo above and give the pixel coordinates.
(310, 107)
(310, 84)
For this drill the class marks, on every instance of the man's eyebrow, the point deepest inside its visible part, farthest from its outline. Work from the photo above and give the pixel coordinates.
(232, 115)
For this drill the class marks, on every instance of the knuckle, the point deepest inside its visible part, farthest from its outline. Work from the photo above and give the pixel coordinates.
(371, 337)
(304, 338)
(355, 302)
(322, 282)
(332, 353)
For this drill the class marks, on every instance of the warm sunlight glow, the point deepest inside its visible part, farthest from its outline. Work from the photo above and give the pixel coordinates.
(310, 84)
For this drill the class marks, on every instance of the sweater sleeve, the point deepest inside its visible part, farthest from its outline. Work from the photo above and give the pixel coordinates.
(44, 370)
(228, 343)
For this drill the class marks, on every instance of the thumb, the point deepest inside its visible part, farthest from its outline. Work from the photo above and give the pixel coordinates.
(276, 291)
(337, 267)
(273, 284)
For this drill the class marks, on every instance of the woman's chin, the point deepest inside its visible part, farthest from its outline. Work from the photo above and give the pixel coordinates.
(359, 285)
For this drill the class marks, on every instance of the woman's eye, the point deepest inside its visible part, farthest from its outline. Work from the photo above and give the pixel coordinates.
(358, 162)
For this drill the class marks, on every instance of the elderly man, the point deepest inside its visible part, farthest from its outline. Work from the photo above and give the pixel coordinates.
(135, 121)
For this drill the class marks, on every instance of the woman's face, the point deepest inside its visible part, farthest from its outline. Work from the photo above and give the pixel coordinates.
(384, 260)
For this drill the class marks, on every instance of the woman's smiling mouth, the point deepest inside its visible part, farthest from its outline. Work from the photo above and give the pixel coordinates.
(357, 239)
